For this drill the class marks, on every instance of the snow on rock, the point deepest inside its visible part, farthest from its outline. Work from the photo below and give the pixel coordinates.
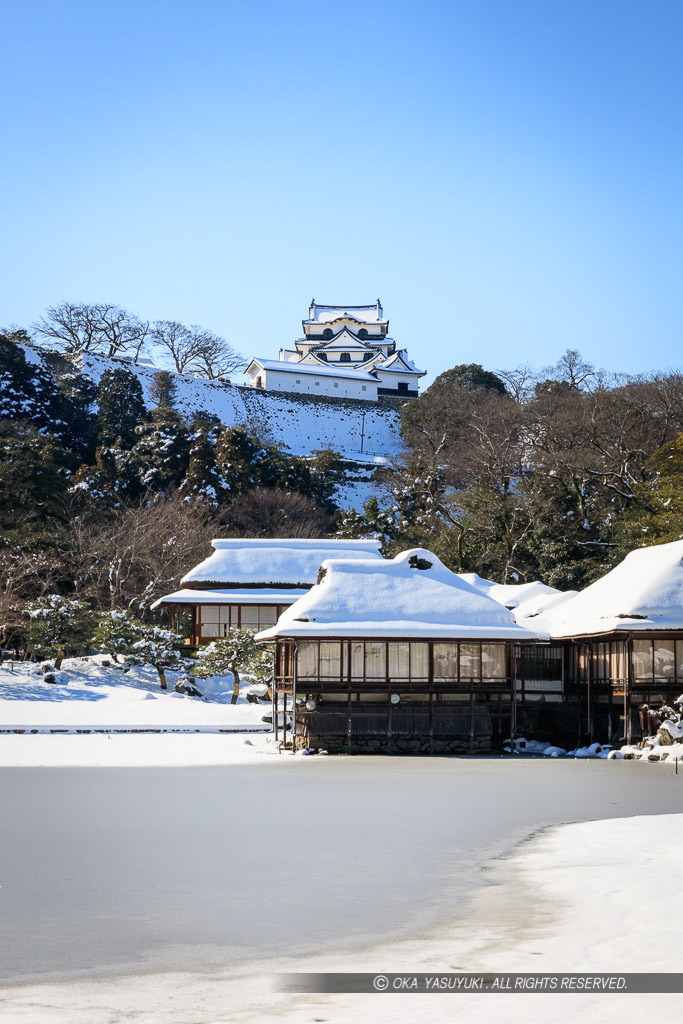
(412, 595)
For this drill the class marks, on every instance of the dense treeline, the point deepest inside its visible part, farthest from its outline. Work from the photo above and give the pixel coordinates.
(552, 476)
(109, 504)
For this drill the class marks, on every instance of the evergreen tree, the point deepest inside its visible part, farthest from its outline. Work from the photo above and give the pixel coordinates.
(470, 376)
(142, 644)
(29, 392)
(34, 474)
(121, 407)
(163, 389)
(162, 450)
(235, 652)
(57, 627)
(239, 458)
(203, 479)
(655, 515)
(373, 521)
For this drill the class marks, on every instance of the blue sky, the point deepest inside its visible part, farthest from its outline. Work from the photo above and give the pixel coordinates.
(504, 174)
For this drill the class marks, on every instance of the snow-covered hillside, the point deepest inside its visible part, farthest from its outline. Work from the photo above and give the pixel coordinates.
(361, 431)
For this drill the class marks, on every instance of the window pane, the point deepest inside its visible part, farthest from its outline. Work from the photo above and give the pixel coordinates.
(375, 661)
(419, 661)
(209, 613)
(665, 659)
(224, 612)
(210, 629)
(679, 660)
(618, 660)
(267, 615)
(601, 664)
(469, 661)
(399, 661)
(493, 661)
(445, 661)
(642, 659)
(330, 664)
(307, 660)
(249, 616)
(357, 661)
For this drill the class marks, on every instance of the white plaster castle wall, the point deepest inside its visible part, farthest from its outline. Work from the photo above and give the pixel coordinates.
(311, 384)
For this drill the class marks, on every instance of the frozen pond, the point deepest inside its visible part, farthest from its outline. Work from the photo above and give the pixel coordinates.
(108, 869)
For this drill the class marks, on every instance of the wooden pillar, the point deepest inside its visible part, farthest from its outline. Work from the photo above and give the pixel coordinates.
(628, 687)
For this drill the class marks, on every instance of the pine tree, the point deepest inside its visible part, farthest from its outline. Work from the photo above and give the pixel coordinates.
(238, 458)
(163, 389)
(203, 479)
(235, 652)
(142, 644)
(162, 450)
(30, 393)
(57, 627)
(121, 407)
(34, 474)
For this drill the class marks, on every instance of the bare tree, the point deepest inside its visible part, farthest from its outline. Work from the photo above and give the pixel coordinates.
(182, 342)
(101, 327)
(133, 555)
(214, 358)
(276, 512)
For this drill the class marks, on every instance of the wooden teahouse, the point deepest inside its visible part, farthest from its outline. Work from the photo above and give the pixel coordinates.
(623, 637)
(396, 656)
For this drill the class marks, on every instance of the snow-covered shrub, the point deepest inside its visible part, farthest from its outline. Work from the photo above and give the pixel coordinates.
(235, 653)
(56, 627)
(142, 644)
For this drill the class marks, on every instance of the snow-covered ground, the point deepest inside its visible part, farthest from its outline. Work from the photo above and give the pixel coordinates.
(578, 898)
(360, 431)
(102, 715)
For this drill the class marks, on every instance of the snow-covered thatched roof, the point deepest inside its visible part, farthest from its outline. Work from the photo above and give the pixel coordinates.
(524, 600)
(412, 595)
(292, 562)
(643, 592)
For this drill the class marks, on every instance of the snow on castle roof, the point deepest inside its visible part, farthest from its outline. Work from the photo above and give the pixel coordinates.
(295, 562)
(412, 595)
(323, 369)
(372, 314)
(643, 592)
(399, 363)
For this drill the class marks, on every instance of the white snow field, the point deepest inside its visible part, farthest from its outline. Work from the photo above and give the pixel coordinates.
(102, 715)
(577, 898)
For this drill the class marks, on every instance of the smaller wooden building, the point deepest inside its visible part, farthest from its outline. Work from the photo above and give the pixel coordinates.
(247, 583)
(397, 656)
(623, 637)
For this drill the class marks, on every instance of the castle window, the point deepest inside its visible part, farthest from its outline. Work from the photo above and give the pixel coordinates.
(362, 333)
(402, 387)
(322, 355)
(327, 334)
(345, 357)
(366, 356)
(336, 385)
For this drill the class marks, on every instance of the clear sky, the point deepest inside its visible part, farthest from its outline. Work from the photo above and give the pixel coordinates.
(506, 175)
